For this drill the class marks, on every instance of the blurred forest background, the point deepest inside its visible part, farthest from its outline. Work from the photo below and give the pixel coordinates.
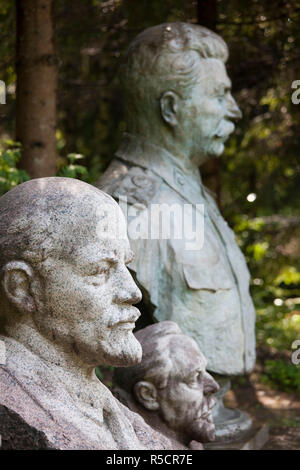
(69, 53)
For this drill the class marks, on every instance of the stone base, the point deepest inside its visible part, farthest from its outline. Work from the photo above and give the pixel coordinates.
(232, 425)
(256, 439)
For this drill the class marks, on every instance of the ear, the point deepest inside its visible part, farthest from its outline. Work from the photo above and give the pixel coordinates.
(16, 281)
(146, 394)
(169, 103)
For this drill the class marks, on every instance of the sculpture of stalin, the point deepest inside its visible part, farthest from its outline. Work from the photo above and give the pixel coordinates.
(179, 113)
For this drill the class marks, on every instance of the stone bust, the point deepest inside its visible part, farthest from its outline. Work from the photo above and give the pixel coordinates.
(170, 388)
(66, 306)
(179, 113)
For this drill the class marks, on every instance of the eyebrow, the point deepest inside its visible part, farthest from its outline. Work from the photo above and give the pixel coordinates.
(199, 369)
(110, 256)
(113, 257)
(193, 372)
(222, 87)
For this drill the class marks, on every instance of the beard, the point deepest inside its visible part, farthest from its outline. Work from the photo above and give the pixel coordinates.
(202, 427)
(122, 349)
(203, 430)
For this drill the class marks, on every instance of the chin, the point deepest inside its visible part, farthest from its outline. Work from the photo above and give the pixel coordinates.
(216, 149)
(124, 353)
(203, 431)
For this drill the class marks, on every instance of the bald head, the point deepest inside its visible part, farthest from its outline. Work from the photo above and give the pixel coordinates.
(63, 256)
(46, 216)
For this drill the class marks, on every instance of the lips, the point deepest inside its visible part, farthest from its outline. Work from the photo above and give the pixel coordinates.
(125, 325)
(128, 321)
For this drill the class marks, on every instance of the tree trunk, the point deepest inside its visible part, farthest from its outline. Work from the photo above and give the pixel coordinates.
(211, 170)
(36, 87)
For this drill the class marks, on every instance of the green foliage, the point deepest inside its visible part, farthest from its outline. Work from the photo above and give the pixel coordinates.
(275, 280)
(263, 156)
(277, 327)
(288, 276)
(10, 175)
(282, 375)
(105, 375)
(99, 373)
(72, 169)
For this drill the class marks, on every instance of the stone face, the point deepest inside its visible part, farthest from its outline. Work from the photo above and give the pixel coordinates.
(66, 306)
(179, 114)
(170, 388)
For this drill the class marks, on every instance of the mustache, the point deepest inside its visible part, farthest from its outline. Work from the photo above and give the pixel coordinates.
(128, 314)
(206, 407)
(224, 129)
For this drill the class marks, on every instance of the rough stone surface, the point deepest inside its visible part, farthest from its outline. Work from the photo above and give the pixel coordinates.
(255, 440)
(179, 114)
(17, 434)
(170, 388)
(66, 306)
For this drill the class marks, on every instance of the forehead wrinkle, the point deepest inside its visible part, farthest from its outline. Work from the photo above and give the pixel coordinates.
(111, 250)
(94, 253)
(211, 69)
(187, 357)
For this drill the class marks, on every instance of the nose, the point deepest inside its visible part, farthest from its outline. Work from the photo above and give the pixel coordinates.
(210, 385)
(233, 111)
(126, 289)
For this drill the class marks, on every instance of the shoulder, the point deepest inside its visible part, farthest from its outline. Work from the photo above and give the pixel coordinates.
(148, 436)
(112, 176)
(16, 403)
(25, 381)
(138, 185)
(21, 377)
(17, 434)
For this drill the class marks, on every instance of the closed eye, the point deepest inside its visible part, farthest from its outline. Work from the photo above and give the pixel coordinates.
(222, 92)
(101, 268)
(195, 379)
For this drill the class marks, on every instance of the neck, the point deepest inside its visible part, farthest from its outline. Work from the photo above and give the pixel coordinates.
(54, 355)
(180, 151)
(152, 418)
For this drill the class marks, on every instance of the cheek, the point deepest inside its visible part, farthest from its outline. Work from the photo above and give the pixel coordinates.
(190, 400)
(214, 110)
(76, 299)
(202, 128)
(208, 114)
(184, 398)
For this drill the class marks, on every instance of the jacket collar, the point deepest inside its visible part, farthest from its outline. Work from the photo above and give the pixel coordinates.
(138, 151)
